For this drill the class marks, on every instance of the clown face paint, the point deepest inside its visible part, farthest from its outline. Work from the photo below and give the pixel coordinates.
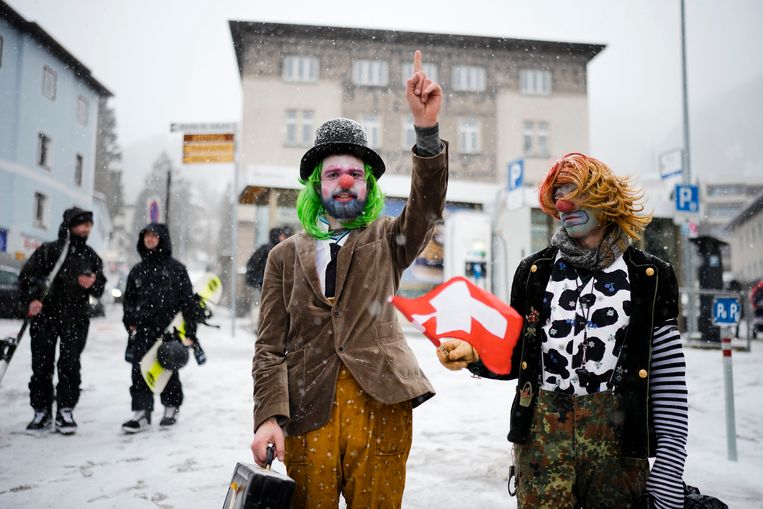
(343, 186)
(579, 221)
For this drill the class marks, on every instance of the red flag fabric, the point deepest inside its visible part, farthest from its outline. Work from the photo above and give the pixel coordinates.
(460, 309)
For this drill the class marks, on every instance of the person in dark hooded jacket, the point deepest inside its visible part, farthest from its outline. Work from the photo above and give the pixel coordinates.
(157, 289)
(255, 267)
(55, 285)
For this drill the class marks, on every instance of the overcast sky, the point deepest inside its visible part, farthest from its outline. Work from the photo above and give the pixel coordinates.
(173, 61)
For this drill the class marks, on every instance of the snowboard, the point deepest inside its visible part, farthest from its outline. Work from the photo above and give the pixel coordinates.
(8, 347)
(209, 290)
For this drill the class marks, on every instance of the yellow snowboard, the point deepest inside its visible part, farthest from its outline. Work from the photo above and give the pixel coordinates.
(209, 288)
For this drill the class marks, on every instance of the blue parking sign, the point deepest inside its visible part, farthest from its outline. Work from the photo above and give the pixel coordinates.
(687, 198)
(516, 174)
(726, 311)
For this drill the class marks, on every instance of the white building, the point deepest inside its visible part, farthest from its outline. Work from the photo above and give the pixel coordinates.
(505, 99)
(48, 126)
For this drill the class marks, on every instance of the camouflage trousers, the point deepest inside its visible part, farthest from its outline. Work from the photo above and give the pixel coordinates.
(573, 458)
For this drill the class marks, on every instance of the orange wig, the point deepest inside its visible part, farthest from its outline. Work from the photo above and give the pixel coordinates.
(599, 188)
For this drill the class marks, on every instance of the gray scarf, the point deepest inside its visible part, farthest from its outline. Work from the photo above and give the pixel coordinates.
(612, 246)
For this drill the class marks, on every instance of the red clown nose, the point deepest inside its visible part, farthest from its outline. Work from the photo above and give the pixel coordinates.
(565, 206)
(346, 181)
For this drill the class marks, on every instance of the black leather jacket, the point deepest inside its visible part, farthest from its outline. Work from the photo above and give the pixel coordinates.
(654, 299)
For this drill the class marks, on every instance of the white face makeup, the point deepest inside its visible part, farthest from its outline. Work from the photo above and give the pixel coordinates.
(579, 221)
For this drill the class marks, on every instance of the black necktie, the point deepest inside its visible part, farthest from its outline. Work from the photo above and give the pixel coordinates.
(331, 270)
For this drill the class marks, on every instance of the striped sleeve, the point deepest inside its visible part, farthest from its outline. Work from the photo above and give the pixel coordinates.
(670, 412)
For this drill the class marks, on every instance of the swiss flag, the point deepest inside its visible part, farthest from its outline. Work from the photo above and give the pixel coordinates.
(459, 309)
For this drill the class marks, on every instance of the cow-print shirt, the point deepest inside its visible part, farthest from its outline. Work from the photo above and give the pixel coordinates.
(588, 318)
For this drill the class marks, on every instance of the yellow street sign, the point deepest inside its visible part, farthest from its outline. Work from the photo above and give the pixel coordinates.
(209, 148)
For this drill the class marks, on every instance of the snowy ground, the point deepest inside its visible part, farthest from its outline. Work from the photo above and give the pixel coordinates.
(460, 456)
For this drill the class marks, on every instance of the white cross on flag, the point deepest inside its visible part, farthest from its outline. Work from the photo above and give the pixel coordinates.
(459, 309)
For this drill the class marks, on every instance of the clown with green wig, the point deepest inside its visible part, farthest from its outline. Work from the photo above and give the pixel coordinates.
(334, 379)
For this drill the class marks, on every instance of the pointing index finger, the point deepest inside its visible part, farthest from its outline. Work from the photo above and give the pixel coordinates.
(417, 61)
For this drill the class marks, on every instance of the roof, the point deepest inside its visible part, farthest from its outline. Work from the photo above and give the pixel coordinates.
(47, 42)
(747, 213)
(239, 29)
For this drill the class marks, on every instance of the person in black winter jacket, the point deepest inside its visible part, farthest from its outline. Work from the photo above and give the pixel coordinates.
(255, 267)
(55, 285)
(157, 289)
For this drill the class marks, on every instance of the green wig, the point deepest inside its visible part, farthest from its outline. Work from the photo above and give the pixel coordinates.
(310, 208)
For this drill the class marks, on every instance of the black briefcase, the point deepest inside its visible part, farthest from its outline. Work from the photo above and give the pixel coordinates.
(253, 487)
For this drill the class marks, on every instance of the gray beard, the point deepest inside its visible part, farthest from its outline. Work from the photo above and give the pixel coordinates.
(349, 210)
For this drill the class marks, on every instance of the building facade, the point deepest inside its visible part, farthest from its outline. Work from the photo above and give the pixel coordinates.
(48, 127)
(746, 241)
(505, 99)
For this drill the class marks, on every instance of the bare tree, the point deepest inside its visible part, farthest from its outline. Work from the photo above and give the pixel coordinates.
(108, 155)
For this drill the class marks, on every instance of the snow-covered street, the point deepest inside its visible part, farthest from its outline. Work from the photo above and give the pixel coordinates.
(460, 455)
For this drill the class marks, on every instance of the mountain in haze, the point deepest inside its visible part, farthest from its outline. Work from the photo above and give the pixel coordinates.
(726, 134)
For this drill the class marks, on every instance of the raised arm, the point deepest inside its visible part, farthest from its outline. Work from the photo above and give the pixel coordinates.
(411, 231)
(424, 96)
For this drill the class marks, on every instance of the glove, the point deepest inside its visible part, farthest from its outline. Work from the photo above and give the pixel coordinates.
(129, 351)
(456, 354)
(198, 353)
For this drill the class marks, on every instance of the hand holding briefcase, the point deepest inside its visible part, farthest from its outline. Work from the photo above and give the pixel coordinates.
(253, 487)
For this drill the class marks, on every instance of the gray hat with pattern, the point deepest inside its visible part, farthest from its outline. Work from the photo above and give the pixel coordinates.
(340, 136)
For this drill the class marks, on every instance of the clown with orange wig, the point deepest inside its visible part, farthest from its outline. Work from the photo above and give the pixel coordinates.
(601, 375)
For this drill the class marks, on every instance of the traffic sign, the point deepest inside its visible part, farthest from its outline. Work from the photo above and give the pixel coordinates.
(671, 164)
(209, 148)
(208, 127)
(687, 198)
(516, 174)
(726, 311)
(153, 207)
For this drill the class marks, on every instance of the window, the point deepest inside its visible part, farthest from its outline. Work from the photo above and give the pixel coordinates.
(83, 110)
(44, 150)
(409, 133)
(468, 136)
(48, 82)
(468, 78)
(40, 208)
(541, 229)
(373, 130)
(307, 127)
(79, 164)
(535, 81)
(541, 139)
(429, 69)
(300, 68)
(299, 127)
(374, 73)
(535, 141)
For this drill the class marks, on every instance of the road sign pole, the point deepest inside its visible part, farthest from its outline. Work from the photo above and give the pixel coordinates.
(234, 236)
(728, 383)
(688, 274)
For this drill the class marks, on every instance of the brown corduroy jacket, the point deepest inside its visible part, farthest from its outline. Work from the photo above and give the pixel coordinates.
(304, 337)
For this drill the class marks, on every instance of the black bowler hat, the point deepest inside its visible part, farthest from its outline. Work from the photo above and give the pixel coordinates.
(340, 136)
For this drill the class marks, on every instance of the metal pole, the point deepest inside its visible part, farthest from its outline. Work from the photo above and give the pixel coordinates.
(234, 236)
(728, 383)
(691, 315)
(167, 205)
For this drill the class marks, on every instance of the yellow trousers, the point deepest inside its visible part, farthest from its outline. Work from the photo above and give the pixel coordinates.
(361, 453)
